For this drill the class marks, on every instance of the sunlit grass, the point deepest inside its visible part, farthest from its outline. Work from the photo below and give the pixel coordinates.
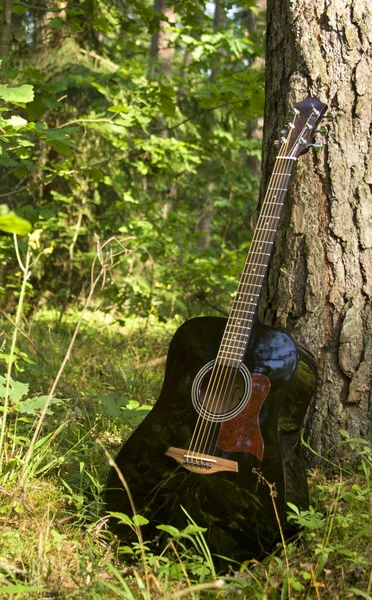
(55, 543)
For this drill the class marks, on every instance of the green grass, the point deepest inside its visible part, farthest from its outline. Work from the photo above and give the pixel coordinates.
(54, 542)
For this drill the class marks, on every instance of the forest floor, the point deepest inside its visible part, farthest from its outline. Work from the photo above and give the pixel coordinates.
(54, 537)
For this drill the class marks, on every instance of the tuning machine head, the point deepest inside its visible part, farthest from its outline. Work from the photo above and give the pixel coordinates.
(330, 115)
(318, 145)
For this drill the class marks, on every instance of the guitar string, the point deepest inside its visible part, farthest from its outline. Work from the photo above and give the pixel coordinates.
(219, 369)
(210, 396)
(314, 115)
(265, 218)
(234, 329)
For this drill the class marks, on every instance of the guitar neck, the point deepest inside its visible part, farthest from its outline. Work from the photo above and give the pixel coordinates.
(240, 321)
(299, 135)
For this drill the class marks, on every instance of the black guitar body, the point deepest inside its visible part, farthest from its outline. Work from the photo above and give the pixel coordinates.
(235, 507)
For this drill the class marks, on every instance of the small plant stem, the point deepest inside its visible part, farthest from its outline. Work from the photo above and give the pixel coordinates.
(114, 466)
(55, 382)
(25, 271)
(27, 458)
(182, 565)
(273, 495)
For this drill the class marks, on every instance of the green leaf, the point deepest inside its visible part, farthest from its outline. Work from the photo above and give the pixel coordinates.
(56, 23)
(11, 223)
(122, 517)
(132, 405)
(293, 507)
(23, 93)
(139, 520)
(173, 531)
(31, 405)
(344, 433)
(321, 564)
(60, 147)
(109, 405)
(360, 593)
(118, 108)
(167, 100)
(17, 389)
(191, 529)
(19, 588)
(17, 121)
(297, 585)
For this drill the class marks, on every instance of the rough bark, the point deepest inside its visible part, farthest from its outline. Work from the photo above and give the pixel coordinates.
(320, 282)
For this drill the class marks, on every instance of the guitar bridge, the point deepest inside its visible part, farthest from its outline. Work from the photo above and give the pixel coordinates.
(196, 462)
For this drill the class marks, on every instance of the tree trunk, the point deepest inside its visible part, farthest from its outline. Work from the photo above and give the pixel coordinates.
(320, 282)
(160, 46)
(6, 31)
(254, 128)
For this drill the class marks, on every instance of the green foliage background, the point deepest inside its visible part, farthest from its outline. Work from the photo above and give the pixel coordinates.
(101, 138)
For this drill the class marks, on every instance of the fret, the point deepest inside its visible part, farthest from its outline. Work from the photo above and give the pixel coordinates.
(233, 326)
(252, 312)
(282, 174)
(261, 242)
(247, 303)
(265, 229)
(228, 352)
(251, 275)
(234, 339)
(277, 189)
(286, 158)
(260, 253)
(245, 283)
(229, 324)
(231, 348)
(239, 322)
(231, 343)
(248, 293)
(253, 302)
(257, 264)
(276, 204)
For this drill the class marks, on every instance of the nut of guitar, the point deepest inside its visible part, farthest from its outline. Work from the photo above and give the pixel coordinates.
(204, 464)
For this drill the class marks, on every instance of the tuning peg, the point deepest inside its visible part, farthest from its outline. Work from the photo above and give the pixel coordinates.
(329, 116)
(318, 145)
(323, 130)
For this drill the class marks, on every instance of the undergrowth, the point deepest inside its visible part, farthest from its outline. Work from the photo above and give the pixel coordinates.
(54, 540)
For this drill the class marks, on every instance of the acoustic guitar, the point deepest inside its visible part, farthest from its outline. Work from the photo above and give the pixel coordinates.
(228, 419)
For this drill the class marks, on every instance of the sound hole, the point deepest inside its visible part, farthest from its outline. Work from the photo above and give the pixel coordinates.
(221, 393)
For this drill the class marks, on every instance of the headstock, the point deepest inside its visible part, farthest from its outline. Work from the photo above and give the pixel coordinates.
(299, 134)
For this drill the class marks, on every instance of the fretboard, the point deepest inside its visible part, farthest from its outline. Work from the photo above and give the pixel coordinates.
(240, 322)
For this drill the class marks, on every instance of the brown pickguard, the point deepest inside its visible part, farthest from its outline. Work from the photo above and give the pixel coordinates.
(242, 433)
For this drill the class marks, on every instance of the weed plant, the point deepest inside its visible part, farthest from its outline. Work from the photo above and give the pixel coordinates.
(54, 541)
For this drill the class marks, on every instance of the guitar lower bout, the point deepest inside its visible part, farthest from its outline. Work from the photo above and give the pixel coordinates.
(203, 464)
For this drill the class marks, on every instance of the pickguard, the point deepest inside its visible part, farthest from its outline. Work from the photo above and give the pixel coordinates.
(242, 433)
